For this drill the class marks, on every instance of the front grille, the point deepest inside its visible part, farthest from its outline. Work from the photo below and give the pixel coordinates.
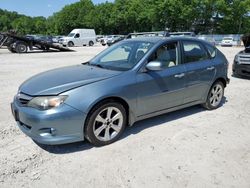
(244, 59)
(23, 99)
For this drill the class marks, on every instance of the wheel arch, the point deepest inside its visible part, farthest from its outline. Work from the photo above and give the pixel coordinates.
(120, 100)
(223, 80)
(71, 42)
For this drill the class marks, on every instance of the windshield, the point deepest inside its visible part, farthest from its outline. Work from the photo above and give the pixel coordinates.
(71, 35)
(123, 56)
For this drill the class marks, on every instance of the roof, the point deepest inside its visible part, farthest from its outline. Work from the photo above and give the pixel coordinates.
(164, 39)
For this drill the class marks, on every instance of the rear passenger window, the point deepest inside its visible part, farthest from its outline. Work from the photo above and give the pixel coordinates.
(194, 52)
(211, 50)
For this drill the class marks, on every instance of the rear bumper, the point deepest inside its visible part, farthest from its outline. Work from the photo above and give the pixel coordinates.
(56, 126)
(241, 69)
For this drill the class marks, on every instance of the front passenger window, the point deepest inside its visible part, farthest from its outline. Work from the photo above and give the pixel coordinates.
(194, 52)
(77, 35)
(167, 55)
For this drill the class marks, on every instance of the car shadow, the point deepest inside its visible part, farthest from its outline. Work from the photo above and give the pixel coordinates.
(135, 129)
(240, 77)
(48, 51)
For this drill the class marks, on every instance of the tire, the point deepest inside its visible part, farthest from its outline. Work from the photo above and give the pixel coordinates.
(21, 47)
(215, 96)
(91, 43)
(105, 123)
(45, 48)
(11, 49)
(103, 44)
(70, 44)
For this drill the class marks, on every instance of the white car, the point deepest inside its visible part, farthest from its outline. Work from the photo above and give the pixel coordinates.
(227, 41)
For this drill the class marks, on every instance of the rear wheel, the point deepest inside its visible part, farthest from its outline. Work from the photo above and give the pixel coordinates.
(106, 123)
(21, 47)
(215, 96)
(91, 43)
(70, 44)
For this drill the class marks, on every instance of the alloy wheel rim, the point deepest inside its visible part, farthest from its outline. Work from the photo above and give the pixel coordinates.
(216, 95)
(108, 124)
(22, 48)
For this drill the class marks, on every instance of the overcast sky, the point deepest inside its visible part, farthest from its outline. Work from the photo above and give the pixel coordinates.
(38, 7)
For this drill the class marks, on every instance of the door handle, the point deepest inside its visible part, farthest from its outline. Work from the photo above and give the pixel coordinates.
(179, 75)
(211, 68)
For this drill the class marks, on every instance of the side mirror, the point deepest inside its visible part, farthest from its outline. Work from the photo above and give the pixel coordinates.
(154, 66)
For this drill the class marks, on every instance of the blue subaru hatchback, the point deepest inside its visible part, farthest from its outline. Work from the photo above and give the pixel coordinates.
(130, 81)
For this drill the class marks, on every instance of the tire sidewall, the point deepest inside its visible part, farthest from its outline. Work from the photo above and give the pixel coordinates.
(89, 134)
(70, 44)
(208, 103)
(91, 43)
(18, 46)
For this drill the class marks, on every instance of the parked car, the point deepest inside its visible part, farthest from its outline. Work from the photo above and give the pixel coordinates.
(182, 34)
(241, 66)
(130, 81)
(79, 37)
(208, 39)
(48, 39)
(105, 40)
(99, 37)
(114, 40)
(56, 39)
(227, 41)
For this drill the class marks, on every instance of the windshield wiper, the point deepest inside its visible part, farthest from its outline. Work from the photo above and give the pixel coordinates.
(97, 65)
(94, 65)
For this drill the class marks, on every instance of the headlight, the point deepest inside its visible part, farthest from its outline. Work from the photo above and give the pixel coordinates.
(47, 102)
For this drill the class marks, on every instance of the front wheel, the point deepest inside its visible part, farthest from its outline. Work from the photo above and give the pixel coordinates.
(215, 96)
(105, 123)
(70, 44)
(11, 49)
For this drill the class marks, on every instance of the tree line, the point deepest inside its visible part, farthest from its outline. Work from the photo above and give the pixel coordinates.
(126, 16)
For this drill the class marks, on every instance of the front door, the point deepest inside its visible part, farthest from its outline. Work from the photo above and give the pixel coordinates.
(77, 40)
(160, 90)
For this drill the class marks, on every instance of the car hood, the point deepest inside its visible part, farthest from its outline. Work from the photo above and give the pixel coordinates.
(59, 80)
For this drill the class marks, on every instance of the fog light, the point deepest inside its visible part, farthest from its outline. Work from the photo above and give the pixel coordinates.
(47, 132)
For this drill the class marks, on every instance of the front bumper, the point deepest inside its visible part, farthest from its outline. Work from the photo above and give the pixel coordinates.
(60, 125)
(241, 69)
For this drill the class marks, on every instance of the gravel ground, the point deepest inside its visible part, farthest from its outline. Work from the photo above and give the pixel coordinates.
(187, 148)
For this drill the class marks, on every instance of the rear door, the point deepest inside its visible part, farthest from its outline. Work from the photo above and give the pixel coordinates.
(200, 70)
(160, 90)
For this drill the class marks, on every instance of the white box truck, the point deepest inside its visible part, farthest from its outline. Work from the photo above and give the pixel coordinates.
(79, 37)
